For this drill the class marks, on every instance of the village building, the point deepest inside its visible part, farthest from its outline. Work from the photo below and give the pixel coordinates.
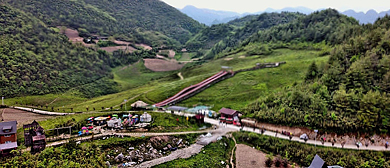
(34, 136)
(229, 116)
(8, 136)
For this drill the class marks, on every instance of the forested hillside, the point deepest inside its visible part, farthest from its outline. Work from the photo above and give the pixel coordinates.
(209, 36)
(143, 21)
(327, 25)
(34, 59)
(262, 22)
(350, 93)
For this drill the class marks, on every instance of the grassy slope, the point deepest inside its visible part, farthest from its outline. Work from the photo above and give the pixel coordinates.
(245, 87)
(136, 75)
(235, 92)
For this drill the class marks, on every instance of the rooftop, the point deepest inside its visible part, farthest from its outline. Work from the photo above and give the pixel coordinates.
(10, 125)
(228, 111)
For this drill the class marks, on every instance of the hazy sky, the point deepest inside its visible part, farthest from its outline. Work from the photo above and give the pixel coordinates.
(242, 6)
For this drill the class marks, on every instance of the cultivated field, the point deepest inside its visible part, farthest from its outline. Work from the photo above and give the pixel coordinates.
(74, 37)
(114, 48)
(159, 65)
(146, 47)
(22, 117)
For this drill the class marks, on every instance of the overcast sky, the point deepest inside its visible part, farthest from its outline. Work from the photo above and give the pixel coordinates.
(242, 6)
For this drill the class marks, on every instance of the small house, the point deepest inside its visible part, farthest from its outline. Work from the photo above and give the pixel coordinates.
(34, 136)
(228, 115)
(8, 136)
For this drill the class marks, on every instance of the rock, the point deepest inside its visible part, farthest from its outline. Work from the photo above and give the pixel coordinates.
(120, 157)
(131, 148)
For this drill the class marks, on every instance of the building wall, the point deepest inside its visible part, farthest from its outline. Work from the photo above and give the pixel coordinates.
(3, 139)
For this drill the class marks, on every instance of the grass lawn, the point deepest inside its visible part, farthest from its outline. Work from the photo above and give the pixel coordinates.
(152, 87)
(245, 87)
(136, 75)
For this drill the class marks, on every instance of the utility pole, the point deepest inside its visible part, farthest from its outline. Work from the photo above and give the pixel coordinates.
(315, 138)
(125, 104)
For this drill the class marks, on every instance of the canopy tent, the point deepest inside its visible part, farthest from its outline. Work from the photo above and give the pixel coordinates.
(139, 104)
(198, 109)
(177, 108)
(114, 122)
(146, 117)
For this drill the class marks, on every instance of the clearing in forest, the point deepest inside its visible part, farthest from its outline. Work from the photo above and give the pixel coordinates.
(159, 65)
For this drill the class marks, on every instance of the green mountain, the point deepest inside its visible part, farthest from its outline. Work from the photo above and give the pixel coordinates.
(349, 93)
(147, 21)
(262, 22)
(327, 25)
(209, 36)
(36, 60)
(241, 22)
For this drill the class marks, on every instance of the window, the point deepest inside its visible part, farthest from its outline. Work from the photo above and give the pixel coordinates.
(8, 130)
(9, 135)
(8, 142)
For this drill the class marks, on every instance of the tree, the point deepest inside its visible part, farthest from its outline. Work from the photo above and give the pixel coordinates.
(312, 73)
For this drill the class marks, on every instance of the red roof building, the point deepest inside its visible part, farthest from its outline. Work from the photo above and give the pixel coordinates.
(8, 136)
(228, 113)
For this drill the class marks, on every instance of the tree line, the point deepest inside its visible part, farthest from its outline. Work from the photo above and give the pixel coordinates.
(349, 93)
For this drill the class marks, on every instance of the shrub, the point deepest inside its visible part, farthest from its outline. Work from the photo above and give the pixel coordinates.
(278, 162)
(269, 160)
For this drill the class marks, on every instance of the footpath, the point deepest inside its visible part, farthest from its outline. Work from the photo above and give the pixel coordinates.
(41, 111)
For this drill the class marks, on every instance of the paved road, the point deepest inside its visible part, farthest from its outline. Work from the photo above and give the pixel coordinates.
(313, 142)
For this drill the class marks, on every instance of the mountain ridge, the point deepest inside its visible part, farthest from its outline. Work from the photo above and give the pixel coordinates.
(363, 17)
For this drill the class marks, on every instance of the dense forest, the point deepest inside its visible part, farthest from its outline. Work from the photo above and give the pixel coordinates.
(350, 93)
(262, 22)
(147, 21)
(36, 60)
(209, 36)
(246, 26)
(326, 25)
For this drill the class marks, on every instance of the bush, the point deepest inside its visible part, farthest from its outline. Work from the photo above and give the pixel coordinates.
(285, 163)
(278, 162)
(269, 161)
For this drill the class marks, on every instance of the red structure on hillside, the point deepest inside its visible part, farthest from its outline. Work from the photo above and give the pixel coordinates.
(194, 89)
